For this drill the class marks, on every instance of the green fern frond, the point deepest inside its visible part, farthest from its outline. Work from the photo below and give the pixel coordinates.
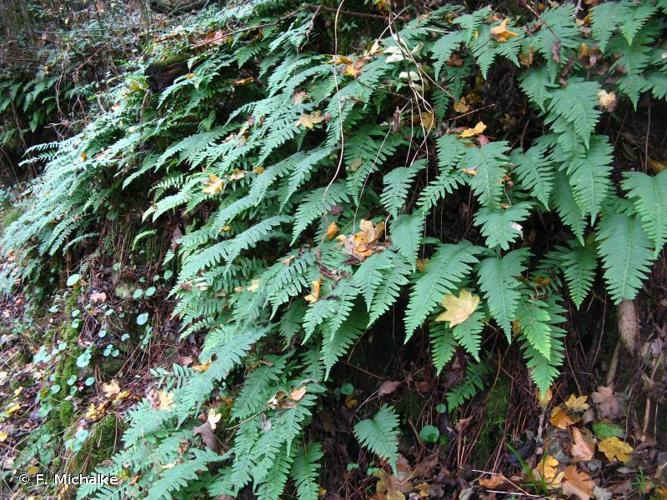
(380, 434)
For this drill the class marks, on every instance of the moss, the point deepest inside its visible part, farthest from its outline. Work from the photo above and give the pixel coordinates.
(493, 421)
(100, 444)
(65, 413)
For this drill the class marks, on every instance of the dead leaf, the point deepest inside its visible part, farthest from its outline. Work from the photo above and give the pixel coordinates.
(501, 33)
(575, 403)
(388, 387)
(494, 482)
(213, 417)
(657, 166)
(607, 403)
(254, 285)
(473, 132)
(577, 483)
(458, 309)
(3, 436)
(543, 399)
(214, 185)
(332, 231)
(427, 119)
(615, 449)
(547, 469)
(421, 264)
(310, 120)
(203, 367)
(461, 106)
(165, 400)
(314, 294)
(299, 97)
(560, 418)
(111, 389)
(98, 297)
(607, 100)
(583, 447)
(298, 393)
(207, 435)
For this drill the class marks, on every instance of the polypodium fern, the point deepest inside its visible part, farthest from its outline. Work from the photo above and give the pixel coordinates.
(380, 434)
(649, 194)
(626, 254)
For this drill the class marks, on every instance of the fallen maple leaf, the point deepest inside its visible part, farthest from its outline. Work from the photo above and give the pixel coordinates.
(501, 33)
(473, 132)
(314, 294)
(298, 393)
(111, 389)
(213, 417)
(165, 400)
(583, 447)
(615, 449)
(577, 483)
(458, 309)
(577, 403)
(607, 403)
(332, 231)
(461, 106)
(214, 185)
(388, 387)
(560, 418)
(607, 100)
(547, 469)
(310, 120)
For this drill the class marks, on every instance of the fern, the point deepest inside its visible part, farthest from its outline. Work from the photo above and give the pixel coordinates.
(626, 254)
(380, 434)
(649, 195)
(576, 104)
(498, 280)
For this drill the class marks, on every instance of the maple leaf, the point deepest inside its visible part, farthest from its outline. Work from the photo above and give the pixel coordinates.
(332, 231)
(427, 120)
(213, 418)
(461, 106)
(583, 447)
(458, 309)
(547, 469)
(607, 403)
(501, 33)
(111, 389)
(165, 400)
(314, 294)
(575, 403)
(577, 483)
(364, 243)
(214, 184)
(607, 100)
(560, 418)
(309, 120)
(298, 393)
(473, 132)
(615, 449)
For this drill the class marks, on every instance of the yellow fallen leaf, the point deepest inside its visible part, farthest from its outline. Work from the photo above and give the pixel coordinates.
(214, 184)
(254, 286)
(472, 172)
(332, 231)
(427, 119)
(236, 175)
(615, 449)
(461, 106)
(473, 132)
(32, 469)
(258, 170)
(3, 436)
(560, 418)
(203, 367)
(458, 309)
(543, 399)
(298, 393)
(310, 120)
(13, 409)
(501, 33)
(575, 403)
(111, 389)
(547, 469)
(83, 156)
(166, 400)
(607, 100)
(421, 264)
(314, 294)
(341, 60)
(213, 418)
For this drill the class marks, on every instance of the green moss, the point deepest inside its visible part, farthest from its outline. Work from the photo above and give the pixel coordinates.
(65, 413)
(100, 444)
(493, 421)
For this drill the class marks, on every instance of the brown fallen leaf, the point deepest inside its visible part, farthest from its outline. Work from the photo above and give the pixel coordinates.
(314, 294)
(111, 389)
(388, 387)
(494, 482)
(310, 120)
(298, 393)
(501, 33)
(214, 185)
(583, 447)
(607, 403)
(607, 100)
(207, 435)
(472, 132)
(332, 231)
(577, 483)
